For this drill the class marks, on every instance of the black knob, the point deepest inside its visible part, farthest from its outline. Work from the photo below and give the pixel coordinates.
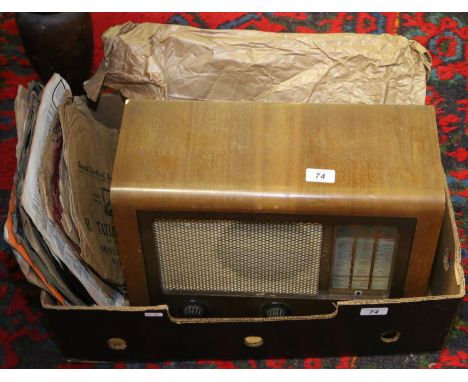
(276, 309)
(194, 309)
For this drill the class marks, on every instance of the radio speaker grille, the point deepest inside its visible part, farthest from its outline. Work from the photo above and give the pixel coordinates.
(238, 257)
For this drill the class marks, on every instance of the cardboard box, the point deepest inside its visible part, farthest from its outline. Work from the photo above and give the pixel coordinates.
(357, 327)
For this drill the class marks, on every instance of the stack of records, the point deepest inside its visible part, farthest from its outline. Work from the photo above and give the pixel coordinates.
(59, 222)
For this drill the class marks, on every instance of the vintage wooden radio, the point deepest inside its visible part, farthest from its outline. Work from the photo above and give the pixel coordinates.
(232, 209)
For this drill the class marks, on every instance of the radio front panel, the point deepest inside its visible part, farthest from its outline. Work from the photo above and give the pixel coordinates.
(269, 202)
(210, 264)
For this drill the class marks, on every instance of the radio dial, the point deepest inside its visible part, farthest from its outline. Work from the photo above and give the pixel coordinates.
(194, 309)
(276, 310)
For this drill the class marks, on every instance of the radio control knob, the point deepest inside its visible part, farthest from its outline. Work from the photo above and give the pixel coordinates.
(194, 309)
(276, 310)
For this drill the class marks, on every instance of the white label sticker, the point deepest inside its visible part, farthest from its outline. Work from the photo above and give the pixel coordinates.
(154, 314)
(374, 311)
(318, 175)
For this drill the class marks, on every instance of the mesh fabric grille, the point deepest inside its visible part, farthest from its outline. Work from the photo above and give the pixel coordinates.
(226, 256)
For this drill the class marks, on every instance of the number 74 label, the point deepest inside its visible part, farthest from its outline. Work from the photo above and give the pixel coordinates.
(318, 175)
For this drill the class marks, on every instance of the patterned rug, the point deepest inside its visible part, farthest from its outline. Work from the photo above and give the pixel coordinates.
(26, 341)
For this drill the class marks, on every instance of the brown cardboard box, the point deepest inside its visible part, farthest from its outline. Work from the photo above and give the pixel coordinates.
(389, 326)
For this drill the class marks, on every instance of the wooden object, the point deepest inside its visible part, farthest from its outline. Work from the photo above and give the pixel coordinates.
(247, 157)
(59, 43)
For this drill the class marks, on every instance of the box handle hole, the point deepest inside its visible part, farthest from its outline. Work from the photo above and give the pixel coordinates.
(390, 336)
(116, 343)
(253, 341)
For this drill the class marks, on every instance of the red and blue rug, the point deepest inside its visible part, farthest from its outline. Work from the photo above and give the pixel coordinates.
(26, 341)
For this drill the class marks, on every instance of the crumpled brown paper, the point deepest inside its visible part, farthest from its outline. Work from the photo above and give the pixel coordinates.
(179, 62)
